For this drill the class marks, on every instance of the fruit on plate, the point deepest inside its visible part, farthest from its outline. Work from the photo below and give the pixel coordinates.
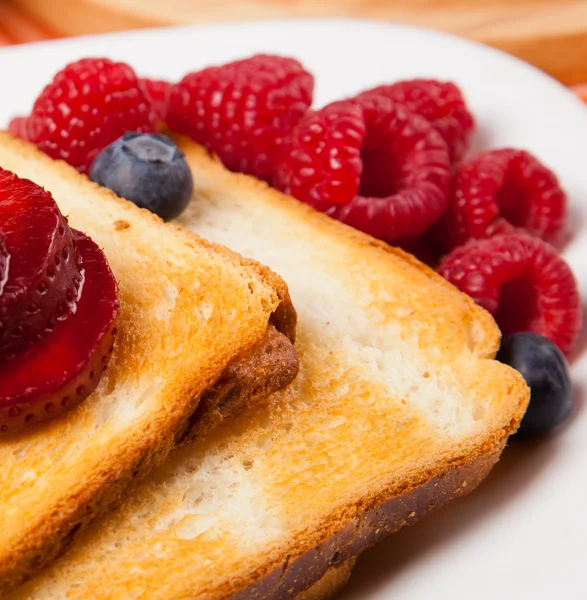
(441, 103)
(546, 372)
(523, 282)
(3, 264)
(385, 162)
(87, 105)
(157, 91)
(241, 111)
(392, 175)
(321, 159)
(58, 308)
(501, 190)
(18, 127)
(147, 169)
(44, 276)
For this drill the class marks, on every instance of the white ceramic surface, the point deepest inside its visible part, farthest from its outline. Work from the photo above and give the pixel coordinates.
(523, 534)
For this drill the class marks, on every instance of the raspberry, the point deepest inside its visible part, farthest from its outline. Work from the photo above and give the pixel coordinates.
(157, 91)
(439, 102)
(404, 175)
(19, 127)
(422, 248)
(242, 110)
(88, 105)
(522, 281)
(323, 163)
(3, 264)
(498, 191)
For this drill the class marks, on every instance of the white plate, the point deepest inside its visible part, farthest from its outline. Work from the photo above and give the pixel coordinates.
(523, 534)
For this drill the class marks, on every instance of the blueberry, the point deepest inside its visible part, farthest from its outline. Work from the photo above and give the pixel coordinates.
(546, 372)
(147, 169)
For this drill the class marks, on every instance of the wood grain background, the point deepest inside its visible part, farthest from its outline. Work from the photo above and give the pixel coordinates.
(551, 34)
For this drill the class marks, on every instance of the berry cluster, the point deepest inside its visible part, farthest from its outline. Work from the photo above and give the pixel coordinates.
(388, 161)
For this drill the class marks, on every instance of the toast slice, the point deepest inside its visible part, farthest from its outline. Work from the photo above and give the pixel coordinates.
(195, 323)
(398, 408)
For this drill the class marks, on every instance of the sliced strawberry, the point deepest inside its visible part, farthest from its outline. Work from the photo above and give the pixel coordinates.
(44, 277)
(65, 368)
(3, 263)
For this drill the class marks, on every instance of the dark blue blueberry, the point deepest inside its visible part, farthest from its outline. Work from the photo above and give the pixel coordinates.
(546, 372)
(147, 169)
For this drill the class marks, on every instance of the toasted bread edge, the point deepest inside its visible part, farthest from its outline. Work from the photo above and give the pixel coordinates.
(331, 583)
(487, 335)
(370, 525)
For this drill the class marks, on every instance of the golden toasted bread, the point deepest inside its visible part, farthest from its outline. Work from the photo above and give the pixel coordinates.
(189, 309)
(399, 408)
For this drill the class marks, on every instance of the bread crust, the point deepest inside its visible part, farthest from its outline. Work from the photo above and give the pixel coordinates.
(331, 583)
(371, 524)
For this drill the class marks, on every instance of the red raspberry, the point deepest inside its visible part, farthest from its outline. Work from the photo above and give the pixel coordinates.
(439, 102)
(422, 248)
(405, 173)
(522, 281)
(498, 191)
(19, 127)
(88, 105)
(3, 264)
(157, 91)
(323, 163)
(242, 110)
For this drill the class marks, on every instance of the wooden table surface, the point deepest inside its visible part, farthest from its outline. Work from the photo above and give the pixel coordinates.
(551, 34)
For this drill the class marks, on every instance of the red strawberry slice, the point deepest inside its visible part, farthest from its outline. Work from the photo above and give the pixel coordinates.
(3, 263)
(65, 368)
(44, 277)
